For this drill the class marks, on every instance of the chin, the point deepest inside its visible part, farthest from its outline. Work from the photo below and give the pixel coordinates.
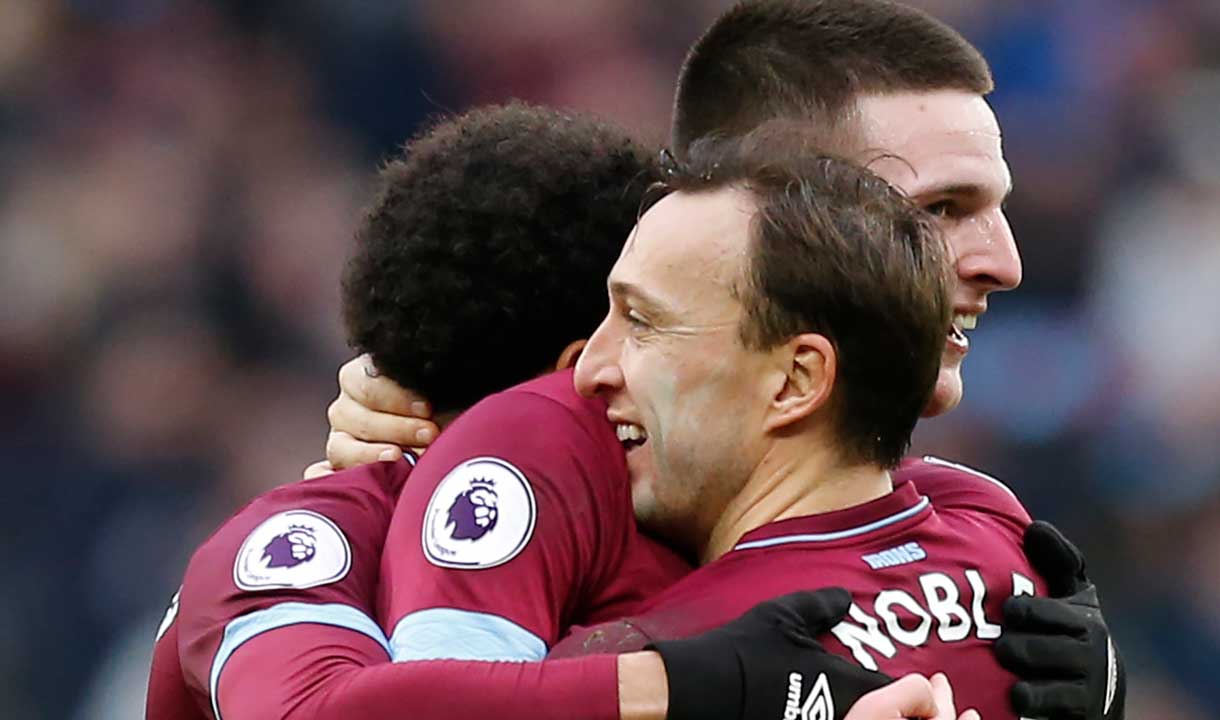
(645, 504)
(947, 394)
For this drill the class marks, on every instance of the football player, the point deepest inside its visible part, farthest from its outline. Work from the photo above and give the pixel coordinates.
(274, 618)
(275, 615)
(775, 330)
(885, 84)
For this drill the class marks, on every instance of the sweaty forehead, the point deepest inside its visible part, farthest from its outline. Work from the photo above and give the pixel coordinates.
(927, 141)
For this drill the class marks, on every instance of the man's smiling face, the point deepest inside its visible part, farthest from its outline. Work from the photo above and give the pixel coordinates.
(943, 149)
(669, 361)
(685, 392)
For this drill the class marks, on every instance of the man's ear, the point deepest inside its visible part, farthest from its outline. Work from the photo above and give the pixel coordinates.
(570, 354)
(811, 363)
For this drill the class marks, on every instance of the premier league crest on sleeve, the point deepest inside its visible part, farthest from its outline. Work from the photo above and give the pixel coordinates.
(480, 516)
(293, 549)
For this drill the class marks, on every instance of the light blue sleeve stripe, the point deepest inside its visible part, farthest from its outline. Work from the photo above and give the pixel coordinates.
(449, 634)
(246, 627)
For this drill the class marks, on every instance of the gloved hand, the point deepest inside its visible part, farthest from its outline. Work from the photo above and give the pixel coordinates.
(767, 664)
(1060, 646)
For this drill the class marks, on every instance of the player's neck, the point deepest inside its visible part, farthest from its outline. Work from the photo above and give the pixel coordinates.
(794, 480)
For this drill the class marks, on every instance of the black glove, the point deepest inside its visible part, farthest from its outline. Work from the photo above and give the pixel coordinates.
(766, 664)
(1060, 646)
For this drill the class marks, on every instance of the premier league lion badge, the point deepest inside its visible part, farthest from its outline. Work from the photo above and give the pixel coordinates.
(481, 515)
(473, 514)
(289, 549)
(292, 549)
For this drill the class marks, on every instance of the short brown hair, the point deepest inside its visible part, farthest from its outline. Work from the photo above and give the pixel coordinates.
(835, 250)
(811, 59)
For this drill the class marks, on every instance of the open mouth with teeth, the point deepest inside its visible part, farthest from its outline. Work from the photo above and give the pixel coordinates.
(630, 435)
(961, 323)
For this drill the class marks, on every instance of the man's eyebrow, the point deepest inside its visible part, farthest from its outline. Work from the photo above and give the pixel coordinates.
(964, 189)
(640, 298)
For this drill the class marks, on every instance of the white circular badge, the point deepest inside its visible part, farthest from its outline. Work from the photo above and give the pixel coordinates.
(481, 515)
(293, 549)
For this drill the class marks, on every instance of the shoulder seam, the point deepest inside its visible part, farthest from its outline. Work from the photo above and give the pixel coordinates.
(933, 460)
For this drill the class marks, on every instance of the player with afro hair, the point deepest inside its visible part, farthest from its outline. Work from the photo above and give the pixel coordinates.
(476, 263)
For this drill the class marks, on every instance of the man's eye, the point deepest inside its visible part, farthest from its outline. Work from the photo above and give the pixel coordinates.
(942, 208)
(636, 321)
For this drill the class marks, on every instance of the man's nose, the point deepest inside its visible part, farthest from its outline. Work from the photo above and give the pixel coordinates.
(985, 252)
(597, 368)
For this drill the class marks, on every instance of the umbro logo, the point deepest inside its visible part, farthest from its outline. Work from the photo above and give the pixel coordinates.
(820, 705)
(901, 555)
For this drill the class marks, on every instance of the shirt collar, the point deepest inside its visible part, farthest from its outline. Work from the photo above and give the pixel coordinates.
(897, 509)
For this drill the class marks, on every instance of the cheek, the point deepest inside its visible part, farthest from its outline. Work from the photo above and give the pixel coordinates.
(703, 426)
(654, 376)
(689, 394)
(956, 241)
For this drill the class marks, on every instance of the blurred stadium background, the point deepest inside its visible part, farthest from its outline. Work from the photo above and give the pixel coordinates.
(178, 181)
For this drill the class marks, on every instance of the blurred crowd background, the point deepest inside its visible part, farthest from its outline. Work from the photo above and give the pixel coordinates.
(178, 184)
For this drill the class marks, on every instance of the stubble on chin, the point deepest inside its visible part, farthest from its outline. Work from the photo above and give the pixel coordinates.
(644, 503)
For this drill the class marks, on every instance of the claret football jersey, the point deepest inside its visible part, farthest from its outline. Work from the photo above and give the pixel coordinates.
(304, 554)
(520, 519)
(928, 566)
(517, 524)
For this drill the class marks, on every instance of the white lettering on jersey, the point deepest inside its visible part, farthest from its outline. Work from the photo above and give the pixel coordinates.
(884, 605)
(952, 621)
(901, 555)
(909, 620)
(986, 630)
(867, 633)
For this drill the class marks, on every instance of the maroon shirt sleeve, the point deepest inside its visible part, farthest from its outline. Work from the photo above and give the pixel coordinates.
(168, 696)
(515, 519)
(306, 553)
(325, 673)
(275, 621)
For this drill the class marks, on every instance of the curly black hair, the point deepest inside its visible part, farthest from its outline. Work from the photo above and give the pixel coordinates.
(486, 248)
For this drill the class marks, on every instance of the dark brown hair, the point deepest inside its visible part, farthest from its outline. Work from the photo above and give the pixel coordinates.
(811, 59)
(837, 251)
